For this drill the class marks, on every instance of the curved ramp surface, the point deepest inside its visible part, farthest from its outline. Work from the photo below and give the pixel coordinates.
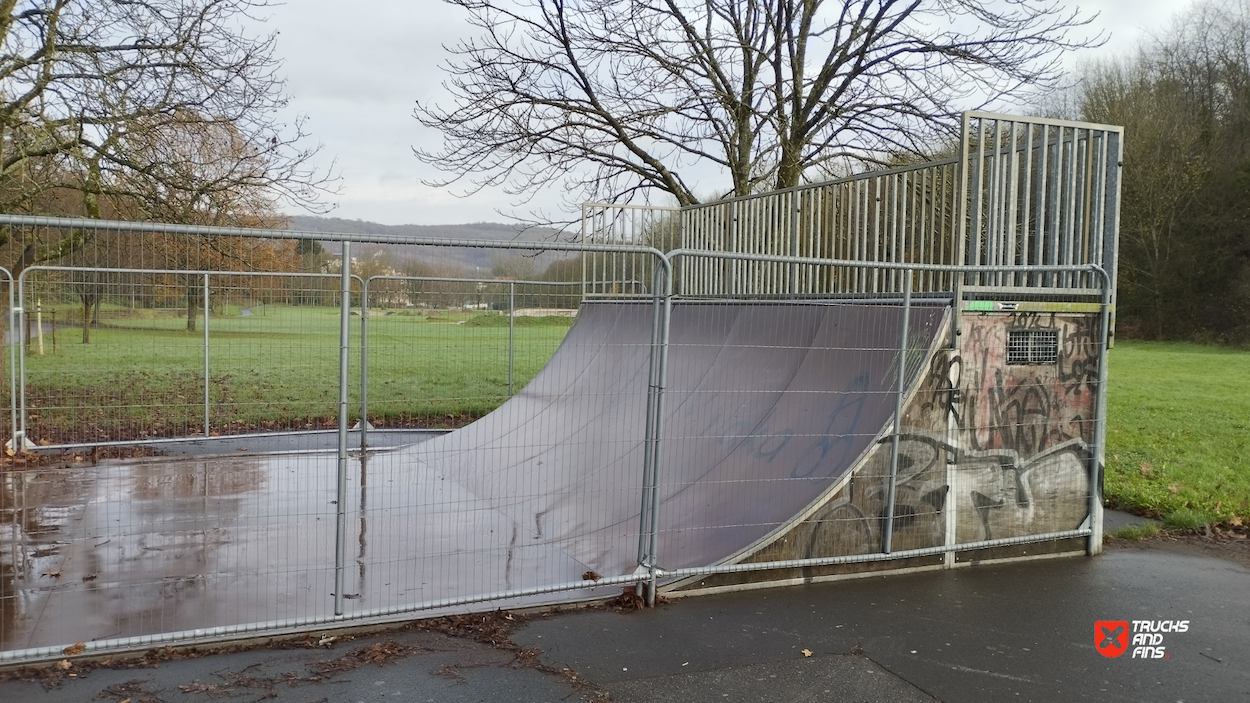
(767, 407)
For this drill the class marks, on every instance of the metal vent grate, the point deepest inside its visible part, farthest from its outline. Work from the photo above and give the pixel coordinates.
(1032, 347)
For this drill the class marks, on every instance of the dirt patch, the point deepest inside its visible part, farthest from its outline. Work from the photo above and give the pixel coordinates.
(77, 457)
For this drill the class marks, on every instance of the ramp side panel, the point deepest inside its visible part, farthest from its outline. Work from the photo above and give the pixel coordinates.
(828, 416)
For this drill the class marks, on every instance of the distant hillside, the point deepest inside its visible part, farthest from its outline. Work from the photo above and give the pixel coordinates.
(448, 261)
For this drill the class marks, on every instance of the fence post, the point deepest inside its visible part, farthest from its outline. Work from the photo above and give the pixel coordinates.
(888, 531)
(207, 417)
(19, 435)
(340, 524)
(650, 521)
(511, 324)
(364, 364)
(12, 364)
(1099, 454)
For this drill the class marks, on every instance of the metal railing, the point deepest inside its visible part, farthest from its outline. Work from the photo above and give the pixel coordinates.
(1039, 192)
(905, 214)
(1020, 191)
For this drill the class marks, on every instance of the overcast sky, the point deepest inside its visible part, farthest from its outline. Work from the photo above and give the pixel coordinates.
(356, 69)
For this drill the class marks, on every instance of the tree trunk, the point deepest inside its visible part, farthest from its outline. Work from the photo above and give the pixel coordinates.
(86, 319)
(193, 296)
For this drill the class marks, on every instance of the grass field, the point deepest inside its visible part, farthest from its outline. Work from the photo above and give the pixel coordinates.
(277, 368)
(1178, 425)
(1179, 432)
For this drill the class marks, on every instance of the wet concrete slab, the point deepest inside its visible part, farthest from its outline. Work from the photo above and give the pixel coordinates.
(135, 548)
(408, 667)
(996, 632)
(1007, 632)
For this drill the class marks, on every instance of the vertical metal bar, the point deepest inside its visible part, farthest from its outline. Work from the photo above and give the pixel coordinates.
(648, 447)
(13, 362)
(207, 383)
(1111, 221)
(584, 254)
(1027, 192)
(730, 264)
(1056, 208)
(340, 524)
(511, 331)
(959, 209)
(364, 364)
(876, 234)
(19, 327)
(888, 531)
(664, 266)
(795, 203)
(1039, 228)
(1099, 455)
(1011, 230)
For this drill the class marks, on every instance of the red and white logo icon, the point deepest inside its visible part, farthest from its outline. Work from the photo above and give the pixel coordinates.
(1111, 637)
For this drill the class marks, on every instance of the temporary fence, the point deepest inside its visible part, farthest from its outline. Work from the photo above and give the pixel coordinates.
(173, 354)
(505, 331)
(154, 547)
(669, 443)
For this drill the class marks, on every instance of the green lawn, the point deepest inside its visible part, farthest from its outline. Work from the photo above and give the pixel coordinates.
(1178, 425)
(1178, 432)
(142, 375)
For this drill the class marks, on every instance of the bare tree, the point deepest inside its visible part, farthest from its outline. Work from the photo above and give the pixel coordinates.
(1183, 98)
(140, 105)
(617, 99)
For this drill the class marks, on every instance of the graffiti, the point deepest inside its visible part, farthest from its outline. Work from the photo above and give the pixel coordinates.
(995, 495)
(939, 396)
(1028, 409)
(1005, 447)
(1078, 356)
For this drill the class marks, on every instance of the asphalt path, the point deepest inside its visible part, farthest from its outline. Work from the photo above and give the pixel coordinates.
(1022, 631)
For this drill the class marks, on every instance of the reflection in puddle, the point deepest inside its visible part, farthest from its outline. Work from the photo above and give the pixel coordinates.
(124, 549)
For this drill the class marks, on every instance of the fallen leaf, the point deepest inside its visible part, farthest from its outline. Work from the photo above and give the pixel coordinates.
(591, 576)
(1235, 521)
(63, 664)
(54, 573)
(126, 701)
(90, 577)
(807, 652)
(1146, 468)
(1174, 489)
(76, 648)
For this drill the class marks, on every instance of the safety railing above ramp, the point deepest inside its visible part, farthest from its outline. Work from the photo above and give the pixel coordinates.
(1016, 191)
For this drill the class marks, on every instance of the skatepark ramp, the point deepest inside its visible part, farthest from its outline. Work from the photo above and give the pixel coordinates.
(924, 392)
